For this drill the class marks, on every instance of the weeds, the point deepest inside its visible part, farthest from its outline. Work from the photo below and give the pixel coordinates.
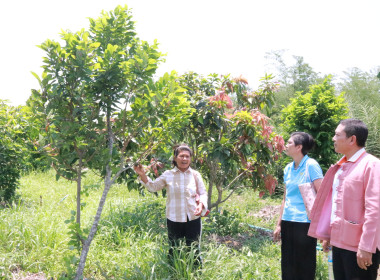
(222, 223)
(131, 242)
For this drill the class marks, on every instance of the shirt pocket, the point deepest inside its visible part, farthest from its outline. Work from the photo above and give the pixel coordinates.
(176, 190)
(351, 232)
(353, 189)
(191, 190)
(353, 200)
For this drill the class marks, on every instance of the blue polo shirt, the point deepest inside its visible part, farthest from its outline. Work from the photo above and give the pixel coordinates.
(294, 208)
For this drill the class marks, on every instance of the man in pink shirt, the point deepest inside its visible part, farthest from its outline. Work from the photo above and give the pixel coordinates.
(346, 212)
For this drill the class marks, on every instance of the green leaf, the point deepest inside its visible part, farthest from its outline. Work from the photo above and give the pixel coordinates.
(36, 76)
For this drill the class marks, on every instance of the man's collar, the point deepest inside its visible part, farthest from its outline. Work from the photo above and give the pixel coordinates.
(354, 158)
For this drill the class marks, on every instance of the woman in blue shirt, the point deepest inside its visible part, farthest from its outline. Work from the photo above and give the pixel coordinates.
(298, 252)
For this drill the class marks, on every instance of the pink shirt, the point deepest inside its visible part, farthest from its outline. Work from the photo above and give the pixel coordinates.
(181, 191)
(357, 216)
(336, 182)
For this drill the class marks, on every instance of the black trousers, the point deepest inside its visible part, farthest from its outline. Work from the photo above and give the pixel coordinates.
(190, 231)
(298, 252)
(346, 267)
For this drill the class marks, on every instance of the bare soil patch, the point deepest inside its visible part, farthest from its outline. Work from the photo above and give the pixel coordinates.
(267, 213)
(29, 276)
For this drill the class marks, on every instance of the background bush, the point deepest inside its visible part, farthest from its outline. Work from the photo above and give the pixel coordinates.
(317, 112)
(10, 153)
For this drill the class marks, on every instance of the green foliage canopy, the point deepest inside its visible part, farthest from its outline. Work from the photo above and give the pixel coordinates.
(102, 109)
(233, 142)
(10, 152)
(293, 78)
(17, 143)
(317, 112)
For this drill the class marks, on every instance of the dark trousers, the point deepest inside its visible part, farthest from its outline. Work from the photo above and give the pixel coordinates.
(298, 252)
(346, 267)
(190, 231)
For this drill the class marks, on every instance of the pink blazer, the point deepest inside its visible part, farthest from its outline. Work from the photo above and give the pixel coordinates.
(358, 206)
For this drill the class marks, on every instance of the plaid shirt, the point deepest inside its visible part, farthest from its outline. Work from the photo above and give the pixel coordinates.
(181, 191)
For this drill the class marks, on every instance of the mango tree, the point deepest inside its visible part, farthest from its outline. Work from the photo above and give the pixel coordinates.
(102, 109)
(233, 141)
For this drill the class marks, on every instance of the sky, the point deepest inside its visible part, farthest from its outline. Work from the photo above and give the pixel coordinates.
(204, 36)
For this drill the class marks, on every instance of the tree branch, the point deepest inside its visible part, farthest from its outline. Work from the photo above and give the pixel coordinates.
(235, 188)
(60, 174)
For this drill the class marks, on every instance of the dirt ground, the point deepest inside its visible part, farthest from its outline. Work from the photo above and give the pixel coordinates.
(236, 242)
(29, 276)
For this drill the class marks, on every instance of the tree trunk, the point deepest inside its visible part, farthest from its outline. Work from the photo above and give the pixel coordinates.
(220, 193)
(212, 170)
(209, 193)
(94, 228)
(79, 189)
(107, 186)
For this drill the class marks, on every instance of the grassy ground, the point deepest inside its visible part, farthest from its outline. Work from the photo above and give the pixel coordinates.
(131, 242)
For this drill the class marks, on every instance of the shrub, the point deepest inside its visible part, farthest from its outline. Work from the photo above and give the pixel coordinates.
(317, 112)
(10, 159)
(9, 172)
(223, 223)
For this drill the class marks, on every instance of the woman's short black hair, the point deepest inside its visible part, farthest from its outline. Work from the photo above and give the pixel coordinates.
(304, 139)
(179, 148)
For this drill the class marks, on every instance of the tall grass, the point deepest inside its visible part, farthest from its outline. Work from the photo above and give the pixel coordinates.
(131, 242)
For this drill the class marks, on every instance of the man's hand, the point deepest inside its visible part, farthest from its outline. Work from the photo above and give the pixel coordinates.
(364, 259)
(326, 246)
